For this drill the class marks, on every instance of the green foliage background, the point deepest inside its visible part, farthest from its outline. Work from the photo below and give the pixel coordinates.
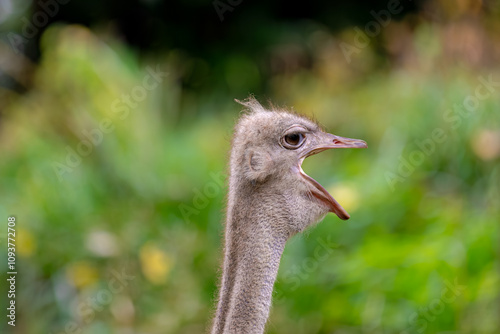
(149, 200)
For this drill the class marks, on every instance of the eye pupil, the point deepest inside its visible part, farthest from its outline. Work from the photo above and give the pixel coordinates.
(294, 140)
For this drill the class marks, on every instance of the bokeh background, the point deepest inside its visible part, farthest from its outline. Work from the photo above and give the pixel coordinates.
(118, 187)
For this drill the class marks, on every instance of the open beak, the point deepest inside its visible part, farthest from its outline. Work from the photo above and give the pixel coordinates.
(328, 141)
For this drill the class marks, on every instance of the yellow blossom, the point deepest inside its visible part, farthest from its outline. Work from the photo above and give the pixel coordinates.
(155, 263)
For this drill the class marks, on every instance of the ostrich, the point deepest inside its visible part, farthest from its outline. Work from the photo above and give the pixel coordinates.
(270, 199)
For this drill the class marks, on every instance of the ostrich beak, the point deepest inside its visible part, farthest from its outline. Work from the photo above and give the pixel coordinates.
(326, 141)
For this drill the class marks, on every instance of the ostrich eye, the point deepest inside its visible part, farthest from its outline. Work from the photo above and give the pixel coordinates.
(293, 140)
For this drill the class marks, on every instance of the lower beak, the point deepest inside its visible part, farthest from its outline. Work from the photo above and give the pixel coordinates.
(325, 142)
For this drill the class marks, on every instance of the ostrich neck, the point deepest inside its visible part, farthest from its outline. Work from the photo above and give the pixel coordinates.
(252, 255)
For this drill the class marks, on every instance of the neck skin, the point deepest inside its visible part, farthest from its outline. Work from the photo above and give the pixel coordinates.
(251, 261)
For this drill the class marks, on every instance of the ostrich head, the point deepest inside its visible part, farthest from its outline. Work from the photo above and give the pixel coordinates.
(268, 150)
(270, 199)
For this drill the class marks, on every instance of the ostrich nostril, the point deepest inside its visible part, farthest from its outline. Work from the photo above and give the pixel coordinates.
(337, 142)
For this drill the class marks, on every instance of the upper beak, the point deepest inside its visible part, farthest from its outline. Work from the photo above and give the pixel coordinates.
(324, 142)
(328, 141)
(342, 142)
